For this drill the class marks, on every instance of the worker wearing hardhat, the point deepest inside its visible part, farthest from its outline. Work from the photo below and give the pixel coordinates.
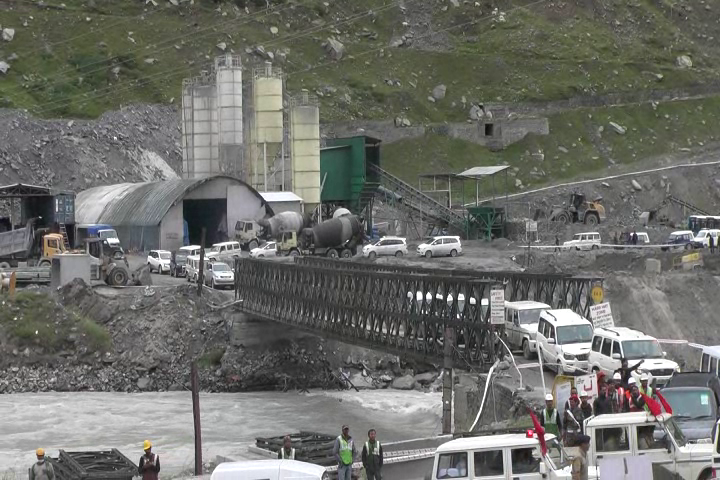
(634, 402)
(550, 419)
(645, 389)
(618, 397)
(149, 466)
(42, 469)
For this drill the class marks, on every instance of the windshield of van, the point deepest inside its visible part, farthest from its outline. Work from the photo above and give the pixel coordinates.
(558, 455)
(577, 236)
(676, 432)
(105, 234)
(527, 317)
(215, 249)
(691, 403)
(637, 349)
(574, 334)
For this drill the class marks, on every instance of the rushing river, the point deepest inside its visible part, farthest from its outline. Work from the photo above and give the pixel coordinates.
(230, 422)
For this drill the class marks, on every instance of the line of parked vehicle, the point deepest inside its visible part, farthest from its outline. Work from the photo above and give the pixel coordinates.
(681, 238)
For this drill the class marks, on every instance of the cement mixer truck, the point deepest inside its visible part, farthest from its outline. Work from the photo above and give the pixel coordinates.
(251, 233)
(337, 237)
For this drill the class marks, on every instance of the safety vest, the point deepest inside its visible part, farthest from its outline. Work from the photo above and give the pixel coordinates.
(374, 451)
(649, 393)
(551, 425)
(287, 457)
(346, 455)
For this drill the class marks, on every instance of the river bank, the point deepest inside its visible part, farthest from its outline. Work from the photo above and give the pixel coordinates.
(230, 421)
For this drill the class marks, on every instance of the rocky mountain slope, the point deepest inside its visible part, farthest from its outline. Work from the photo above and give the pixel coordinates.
(429, 63)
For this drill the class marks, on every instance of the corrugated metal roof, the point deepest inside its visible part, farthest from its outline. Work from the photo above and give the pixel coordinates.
(135, 204)
(274, 197)
(476, 172)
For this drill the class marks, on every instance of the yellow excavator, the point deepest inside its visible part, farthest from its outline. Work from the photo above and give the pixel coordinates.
(579, 210)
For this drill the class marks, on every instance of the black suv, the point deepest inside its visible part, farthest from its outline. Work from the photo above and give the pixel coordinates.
(178, 259)
(694, 398)
(683, 237)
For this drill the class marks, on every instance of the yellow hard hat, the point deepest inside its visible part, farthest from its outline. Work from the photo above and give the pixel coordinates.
(147, 445)
(40, 452)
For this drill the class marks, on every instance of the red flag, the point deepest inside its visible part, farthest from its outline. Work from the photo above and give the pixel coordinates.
(539, 430)
(664, 402)
(654, 406)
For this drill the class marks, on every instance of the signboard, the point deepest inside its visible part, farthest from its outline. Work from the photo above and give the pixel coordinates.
(530, 226)
(589, 384)
(562, 394)
(597, 294)
(601, 316)
(497, 307)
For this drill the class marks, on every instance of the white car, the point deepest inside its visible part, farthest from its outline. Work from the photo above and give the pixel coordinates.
(269, 470)
(224, 251)
(159, 260)
(584, 241)
(386, 246)
(218, 275)
(702, 239)
(267, 250)
(610, 345)
(440, 246)
(521, 325)
(563, 340)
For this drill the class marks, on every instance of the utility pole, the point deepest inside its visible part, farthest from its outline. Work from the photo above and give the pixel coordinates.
(201, 274)
(448, 382)
(194, 387)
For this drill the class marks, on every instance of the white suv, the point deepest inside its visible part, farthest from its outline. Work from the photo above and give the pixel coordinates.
(386, 246)
(563, 340)
(224, 251)
(610, 345)
(439, 246)
(521, 325)
(159, 260)
(584, 241)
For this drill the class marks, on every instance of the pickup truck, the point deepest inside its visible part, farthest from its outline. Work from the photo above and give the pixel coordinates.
(634, 434)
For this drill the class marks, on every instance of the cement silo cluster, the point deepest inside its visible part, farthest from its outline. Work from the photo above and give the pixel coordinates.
(251, 130)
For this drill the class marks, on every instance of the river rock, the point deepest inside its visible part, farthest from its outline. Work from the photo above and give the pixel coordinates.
(4, 67)
(426, 378)
(8, 34)
(361, 382)
(335, 48)
(406, 382)
(144, 383)
(618, 129)
(439, 92)
(636, 185)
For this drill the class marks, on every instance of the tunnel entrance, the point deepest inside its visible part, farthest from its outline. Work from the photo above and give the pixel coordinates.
(207, 213)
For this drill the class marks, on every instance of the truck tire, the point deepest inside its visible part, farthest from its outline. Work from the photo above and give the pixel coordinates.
(252, 244)
(117, 277)
(563, 218)
(332, 253)
(294, 253)
(592, 219)
(346, 253)
(44, 263)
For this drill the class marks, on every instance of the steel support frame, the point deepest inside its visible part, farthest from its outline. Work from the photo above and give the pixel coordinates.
(402, 314)
(557, 290)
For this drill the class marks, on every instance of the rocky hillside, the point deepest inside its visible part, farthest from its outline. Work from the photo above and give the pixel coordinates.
(424, 62)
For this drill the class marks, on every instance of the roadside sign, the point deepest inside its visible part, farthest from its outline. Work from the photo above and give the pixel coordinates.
(530, 226)
(497, 306)
(587, 383)
(597, 294)
(601, 316)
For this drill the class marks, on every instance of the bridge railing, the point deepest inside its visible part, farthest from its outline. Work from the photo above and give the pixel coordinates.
(556, 290)
(401, 313)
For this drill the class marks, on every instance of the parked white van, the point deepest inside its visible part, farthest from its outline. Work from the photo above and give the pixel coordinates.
(564, 339)
(584, 241)
(521, 325)
(709, 360)
(191, 249)
(269, 470)
(192, 268)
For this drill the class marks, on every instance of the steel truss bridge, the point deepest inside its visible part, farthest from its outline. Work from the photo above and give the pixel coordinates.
(430, 313)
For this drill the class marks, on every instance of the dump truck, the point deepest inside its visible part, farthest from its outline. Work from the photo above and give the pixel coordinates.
(579, 210)
(337, 237)
(35, 246)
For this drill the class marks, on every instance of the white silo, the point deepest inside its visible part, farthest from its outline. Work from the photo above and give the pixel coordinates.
(186, 124)
(228, 74)
(200, 126)
(305, 148)
(268, 135)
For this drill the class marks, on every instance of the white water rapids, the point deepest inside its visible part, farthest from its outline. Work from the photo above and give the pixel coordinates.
(230, 422)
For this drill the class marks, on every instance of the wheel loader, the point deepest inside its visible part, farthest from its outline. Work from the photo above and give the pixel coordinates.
(579, 210)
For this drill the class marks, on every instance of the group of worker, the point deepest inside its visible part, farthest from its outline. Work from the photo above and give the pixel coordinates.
(617, 395)
(345, 454)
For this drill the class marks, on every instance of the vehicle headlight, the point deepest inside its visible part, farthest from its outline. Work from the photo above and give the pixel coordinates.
(677, 369)
(568, 356)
